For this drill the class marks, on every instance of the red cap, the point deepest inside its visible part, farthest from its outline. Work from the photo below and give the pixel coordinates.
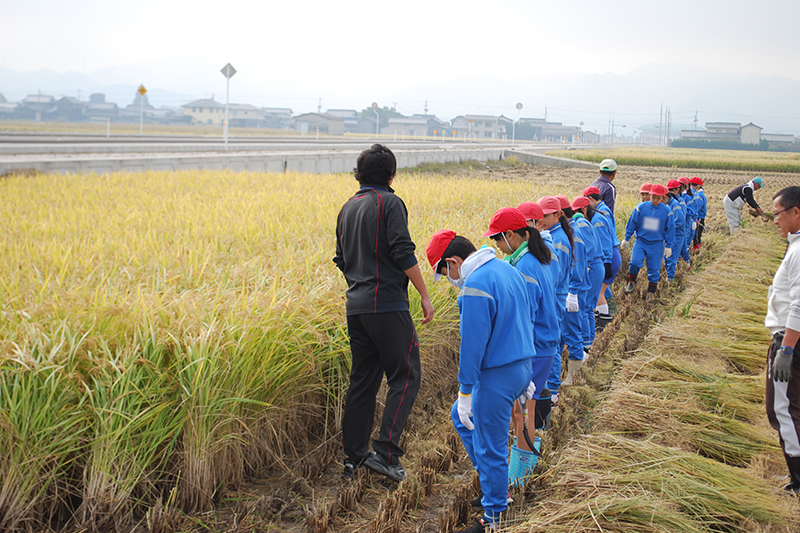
(696, 181)
(531, 210)
(507, 218)
(658, 190)
(563, 201)
(436, 248)
(591, 190)
(579, 201)
(673, 184)
(549, 205)
(684, 180)
(645, 187)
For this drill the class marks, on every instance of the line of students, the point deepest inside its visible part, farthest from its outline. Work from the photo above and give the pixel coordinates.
(667, 224)
(517, 315)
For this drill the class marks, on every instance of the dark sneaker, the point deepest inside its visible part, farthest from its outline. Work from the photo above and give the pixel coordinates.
(349, 471)
(602, 321)
(630, 287)
(377, 464)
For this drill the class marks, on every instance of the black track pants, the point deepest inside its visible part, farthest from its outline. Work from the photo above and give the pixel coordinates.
(381, 343)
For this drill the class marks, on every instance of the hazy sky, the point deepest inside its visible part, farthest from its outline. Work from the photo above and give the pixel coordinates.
(364, 48)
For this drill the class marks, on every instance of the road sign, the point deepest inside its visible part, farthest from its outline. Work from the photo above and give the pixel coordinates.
(228, 71)
(374, 105)
(519, 106)
(142, 90)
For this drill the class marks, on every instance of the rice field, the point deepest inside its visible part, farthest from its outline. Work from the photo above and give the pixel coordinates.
(168, 338)
(689, 158)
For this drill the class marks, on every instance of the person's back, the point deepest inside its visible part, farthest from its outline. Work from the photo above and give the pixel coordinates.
(374, 249)
(376, 254)
(495, 291)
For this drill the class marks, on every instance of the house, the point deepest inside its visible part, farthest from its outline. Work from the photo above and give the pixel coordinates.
(726, 131)
(482, 126)
(750, 134)
(35, 107)
(324, 123)
(246, 116)
(205, 111)
(278, 117)
(778, 138)
(350, 117)
(66, 109)
(406, 126)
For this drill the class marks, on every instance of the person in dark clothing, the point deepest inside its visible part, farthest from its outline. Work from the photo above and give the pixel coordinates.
(376, 254)
(735, 200)
(608, 193)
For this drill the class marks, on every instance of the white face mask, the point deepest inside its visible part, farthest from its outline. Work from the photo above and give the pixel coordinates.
(457, 283)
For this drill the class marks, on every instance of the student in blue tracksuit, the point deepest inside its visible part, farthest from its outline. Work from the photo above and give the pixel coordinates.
(494, 358)
(597, 251)
(527, 252)
(560, 231)
(652, 223)
(679, 217)
(702, 209)
(691, 217)
(611, 269)
(572, 331)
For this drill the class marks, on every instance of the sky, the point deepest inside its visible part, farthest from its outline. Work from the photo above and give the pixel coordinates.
(358, 50)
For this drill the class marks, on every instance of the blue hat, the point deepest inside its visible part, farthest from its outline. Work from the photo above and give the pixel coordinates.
(759, 181)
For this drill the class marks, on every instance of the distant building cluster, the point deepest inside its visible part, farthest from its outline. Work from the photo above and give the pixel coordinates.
(46, 108)
(735, 132)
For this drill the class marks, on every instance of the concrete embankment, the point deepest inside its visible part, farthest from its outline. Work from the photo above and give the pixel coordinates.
(317, 161)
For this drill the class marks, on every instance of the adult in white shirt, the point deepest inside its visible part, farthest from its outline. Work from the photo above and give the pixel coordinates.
(783, 320)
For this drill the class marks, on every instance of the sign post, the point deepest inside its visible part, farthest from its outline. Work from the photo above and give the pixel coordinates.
(514, 125)
(141, 92)
(377, 119)
(228, 71)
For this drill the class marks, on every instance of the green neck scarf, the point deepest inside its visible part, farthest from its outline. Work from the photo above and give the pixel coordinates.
(517, 255)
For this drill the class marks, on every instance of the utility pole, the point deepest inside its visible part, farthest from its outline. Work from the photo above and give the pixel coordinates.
(660, 112)
(426, 106)
(545, 113)
(695, 119)
(319, 106)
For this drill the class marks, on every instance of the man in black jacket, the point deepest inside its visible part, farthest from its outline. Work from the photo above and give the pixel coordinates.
(376, 254)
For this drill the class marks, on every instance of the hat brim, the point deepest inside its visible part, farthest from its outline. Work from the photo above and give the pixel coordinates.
(436, 274)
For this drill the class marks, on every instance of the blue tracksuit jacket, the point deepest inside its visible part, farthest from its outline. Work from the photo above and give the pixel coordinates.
(542, 290)
(497, 319)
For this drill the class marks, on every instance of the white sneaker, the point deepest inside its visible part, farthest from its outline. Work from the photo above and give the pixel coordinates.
(554, 400)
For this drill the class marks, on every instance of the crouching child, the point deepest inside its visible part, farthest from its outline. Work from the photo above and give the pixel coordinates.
(494, 358)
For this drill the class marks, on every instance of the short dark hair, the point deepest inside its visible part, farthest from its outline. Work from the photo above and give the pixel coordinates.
(458, 247)
(607, 173)
(789, 197)
(593, 196)
(376, 166)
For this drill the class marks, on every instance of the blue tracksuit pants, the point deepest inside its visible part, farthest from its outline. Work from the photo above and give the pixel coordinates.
(596, 274)
(541, 365)
(554, 381)
(616, 262)
(671, 263)
(572, 335)
(653, 252)
(487, 445)
(687, 242)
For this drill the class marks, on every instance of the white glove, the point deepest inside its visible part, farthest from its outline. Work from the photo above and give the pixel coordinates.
(527, 395)
(465, 410)
(623, 245)
(572, 303)
(694, 225)
(667, 252)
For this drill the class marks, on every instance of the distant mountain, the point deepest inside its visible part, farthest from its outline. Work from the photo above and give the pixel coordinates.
(634, 98)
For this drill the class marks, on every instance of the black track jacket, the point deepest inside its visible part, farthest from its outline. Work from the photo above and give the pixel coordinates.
(373, 250)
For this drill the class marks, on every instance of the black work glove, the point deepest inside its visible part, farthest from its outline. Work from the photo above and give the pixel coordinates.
(608, 270)
(782, 367)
